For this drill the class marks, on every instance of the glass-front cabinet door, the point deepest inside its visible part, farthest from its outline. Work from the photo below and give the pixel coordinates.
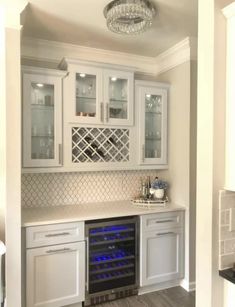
(153, 123)
(97, 95)
(88, 92)
(83, 95)
(118, 97)
(42, 118)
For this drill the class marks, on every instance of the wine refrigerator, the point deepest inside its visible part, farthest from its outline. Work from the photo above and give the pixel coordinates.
(112, 259)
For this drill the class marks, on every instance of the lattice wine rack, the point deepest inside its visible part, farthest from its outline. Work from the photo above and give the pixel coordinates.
(100, 145)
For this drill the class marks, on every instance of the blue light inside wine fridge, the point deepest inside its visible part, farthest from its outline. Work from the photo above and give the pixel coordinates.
(109, 229)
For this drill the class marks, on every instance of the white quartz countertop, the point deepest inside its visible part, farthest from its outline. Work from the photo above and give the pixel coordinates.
(90, 211)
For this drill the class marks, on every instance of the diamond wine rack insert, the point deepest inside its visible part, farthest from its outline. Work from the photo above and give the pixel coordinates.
(100, 145)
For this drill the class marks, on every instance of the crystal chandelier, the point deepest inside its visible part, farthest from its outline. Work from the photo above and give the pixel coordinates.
(129, 16)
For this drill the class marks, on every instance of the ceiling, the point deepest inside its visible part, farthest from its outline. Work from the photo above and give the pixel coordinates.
(81, 22)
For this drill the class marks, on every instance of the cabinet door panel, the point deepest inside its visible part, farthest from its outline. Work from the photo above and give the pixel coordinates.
(56, 275)
(42, 120)
(118, 97)
(83, 94)
(152, 105)
(161, 256)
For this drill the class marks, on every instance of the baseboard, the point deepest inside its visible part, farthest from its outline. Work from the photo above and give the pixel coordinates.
(160, 286)
(188, 286)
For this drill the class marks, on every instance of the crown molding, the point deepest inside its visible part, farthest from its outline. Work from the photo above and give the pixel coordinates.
(51, 51)
(180, 53)
(229, 10)
(44, 50)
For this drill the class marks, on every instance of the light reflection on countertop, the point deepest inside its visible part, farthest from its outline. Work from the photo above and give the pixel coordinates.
(89, 211)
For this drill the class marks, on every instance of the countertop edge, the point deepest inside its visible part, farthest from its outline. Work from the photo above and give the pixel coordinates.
(228, 274)
(134, 211)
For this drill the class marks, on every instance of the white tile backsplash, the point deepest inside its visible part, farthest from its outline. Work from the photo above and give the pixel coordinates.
(41, 190)
(226, 237)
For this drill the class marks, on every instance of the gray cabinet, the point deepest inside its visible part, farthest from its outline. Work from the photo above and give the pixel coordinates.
(161, 248)
(55, 268)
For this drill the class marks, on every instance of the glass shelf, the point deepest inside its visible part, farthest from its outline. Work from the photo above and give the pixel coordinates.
(42, 106)
(119, 100)
(111, 241)
(43, 136)
(85, 97)
(154, 112)
(110, 230)
(152, 138)
(113, 267)
(109, 258)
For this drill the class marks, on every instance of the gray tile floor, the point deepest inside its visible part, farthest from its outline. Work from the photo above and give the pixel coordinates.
(173, 297)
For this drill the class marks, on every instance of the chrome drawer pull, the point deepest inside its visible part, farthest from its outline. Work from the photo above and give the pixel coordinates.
(57, 234)
(164, 221)
(61, 250)
(165, 233)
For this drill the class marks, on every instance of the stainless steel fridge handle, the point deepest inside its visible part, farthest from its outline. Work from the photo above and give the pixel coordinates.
(87, 264)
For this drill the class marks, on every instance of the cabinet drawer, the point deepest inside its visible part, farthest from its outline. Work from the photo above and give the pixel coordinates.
(162, 220)
(37, 236)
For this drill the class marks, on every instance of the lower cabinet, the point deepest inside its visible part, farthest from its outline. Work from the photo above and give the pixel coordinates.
(55, 275)
(161, 255)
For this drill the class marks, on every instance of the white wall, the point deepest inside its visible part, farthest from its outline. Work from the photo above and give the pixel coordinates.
(182, 153)
(10, 149)
(2, 126)
(210, 150)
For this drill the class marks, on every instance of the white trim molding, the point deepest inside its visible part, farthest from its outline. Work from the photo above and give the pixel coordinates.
(184, 51)
(229, 11)
(188, 286)
(53, 52)
(12, 13)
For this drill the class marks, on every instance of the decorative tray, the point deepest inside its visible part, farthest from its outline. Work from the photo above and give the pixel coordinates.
(149, 203)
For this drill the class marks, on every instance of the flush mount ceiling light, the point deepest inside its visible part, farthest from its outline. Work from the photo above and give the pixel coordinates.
(129, 16)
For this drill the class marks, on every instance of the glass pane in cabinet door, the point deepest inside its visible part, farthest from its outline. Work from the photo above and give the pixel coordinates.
(85, 95)
(42, 121)
(153, 124)
(117, 98)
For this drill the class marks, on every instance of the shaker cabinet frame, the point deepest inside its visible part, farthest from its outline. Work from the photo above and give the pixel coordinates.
(52, 78)
(142, 89)
(55, 275)
(102, 73)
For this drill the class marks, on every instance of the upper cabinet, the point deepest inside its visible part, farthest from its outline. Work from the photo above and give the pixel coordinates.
(151, 98)
(101, 124)
(98, 95)
(42, 117)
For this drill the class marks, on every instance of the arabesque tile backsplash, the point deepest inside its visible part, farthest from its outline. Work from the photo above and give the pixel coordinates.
(226, 236)
(55, 189)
